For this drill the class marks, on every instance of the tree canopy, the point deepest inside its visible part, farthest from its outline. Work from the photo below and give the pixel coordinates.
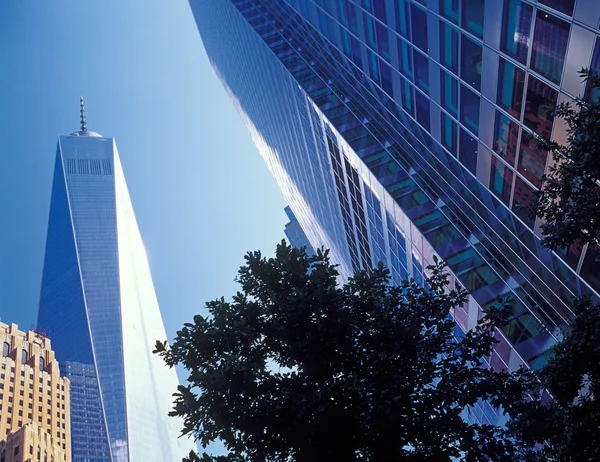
(296, 367)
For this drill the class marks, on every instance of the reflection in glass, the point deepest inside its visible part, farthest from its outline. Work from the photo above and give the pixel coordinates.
(470, 62)
(510, 88)
(590, 270)
(449, 47)
(532, 160)
(419, 27)
(501, 177)
(449, 10)
(405, 62)
(549, 46)
(469, 109)
(449, 92)
(506, 137)
(449, 137)
(521, 201)
(564, 6)
(408, 98)
(401, 12)
(383, 41)
(468, 151)
(516, 26)
(593, 94)
(539, 104)
(421, 71)
(472, 16)
(422, 110)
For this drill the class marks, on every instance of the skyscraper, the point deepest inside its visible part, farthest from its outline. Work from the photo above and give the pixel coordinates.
(99, 307)
(294, 233)
(399, 130)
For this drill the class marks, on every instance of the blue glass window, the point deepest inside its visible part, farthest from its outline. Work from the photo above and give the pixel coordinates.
(449, 136)
(5, 349)
(511, 82)
(470, 69)
(423, 110)
(405, 61)
(373, 67)
(23, 355)
(549, 46)
(383, 41)
(469, 109)
(593, 94)
(539, 104)
(370, 31)
(42, 363)
(564, 6)
(468, 151)
(449, 93)
(516, 26)
(449, 47)
(352, 17)
(501, 178)
(355, 46)
(472, 16)
(421, 71)
(419, 27)
(380, 13)
(449, 10)
(506, 137)
(408, 99)
(386, 78)
(402, 18)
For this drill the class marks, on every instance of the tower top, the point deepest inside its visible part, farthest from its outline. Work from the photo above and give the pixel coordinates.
(83, 131)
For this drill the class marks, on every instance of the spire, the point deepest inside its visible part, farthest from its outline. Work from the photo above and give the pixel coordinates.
(82, 115)
(83, 131)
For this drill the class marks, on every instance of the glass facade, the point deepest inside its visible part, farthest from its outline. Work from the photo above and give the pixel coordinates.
(296, 237)
(417, 119)
(96, 312)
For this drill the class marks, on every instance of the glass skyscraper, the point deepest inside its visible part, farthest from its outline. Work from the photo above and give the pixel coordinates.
(99, 308)
(403, 129)
(295, 234)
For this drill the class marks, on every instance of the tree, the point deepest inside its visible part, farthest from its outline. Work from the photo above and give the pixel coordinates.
(565, 427)
(298, 368)
(569, 199)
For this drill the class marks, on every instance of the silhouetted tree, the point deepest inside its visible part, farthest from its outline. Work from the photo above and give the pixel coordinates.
(298, 368)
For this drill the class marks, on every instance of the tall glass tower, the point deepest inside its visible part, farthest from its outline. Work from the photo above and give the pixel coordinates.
(99, 307)
(402, 129)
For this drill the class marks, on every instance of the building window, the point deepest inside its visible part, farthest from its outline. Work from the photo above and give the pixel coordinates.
(470, 62)
(23, 358)
(5, 349)
(516, 26)
(472, 16)
(549, 46)
(564, 6)
(42, 363)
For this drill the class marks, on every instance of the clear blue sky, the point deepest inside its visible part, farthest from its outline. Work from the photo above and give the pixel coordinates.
(201, 192)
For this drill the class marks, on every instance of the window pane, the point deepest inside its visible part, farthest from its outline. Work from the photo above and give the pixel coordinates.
(549, 46)
(532, 160)
(472, 16)
(422, 110)
(386, 78)
(593, 94)
(510, 88)
(506, 137)
(408, 99)
(449, 47)
(373, 67)
(539, 105)
(564, 6)
(590, 270)
(516, 24)
(402, 24)
(421, 71)
(469, 109)
(419, 27)
(501, 180)
(521, 201)
(383, 41)
(449, 136)
(449, 90)
(468, 151)
(405, 61)
(370, 31)
(380, 12)
(470, 68)
(449, 10)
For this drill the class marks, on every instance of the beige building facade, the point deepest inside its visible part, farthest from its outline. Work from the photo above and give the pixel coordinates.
(34, 399)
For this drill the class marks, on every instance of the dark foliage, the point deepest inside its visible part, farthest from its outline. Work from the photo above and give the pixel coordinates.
(298, 368)
(569, 200)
